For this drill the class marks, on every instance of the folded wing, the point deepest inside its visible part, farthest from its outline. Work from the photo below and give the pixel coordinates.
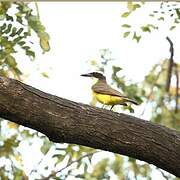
(103, 88)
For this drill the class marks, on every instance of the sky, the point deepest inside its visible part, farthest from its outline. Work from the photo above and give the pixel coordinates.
(78, 31)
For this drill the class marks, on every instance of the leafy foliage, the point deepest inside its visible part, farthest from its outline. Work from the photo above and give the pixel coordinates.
(168, 11)
(16, 24)
(163, 109)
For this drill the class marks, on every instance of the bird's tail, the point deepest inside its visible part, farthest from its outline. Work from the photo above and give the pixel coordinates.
(131, 101)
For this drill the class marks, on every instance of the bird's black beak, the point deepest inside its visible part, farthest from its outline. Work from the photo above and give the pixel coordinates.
(86, 75)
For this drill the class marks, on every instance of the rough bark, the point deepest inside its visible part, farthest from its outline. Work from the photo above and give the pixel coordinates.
(62, 120)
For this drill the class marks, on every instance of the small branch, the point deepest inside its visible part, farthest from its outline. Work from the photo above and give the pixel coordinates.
(177, 87)
(38, 164)
(163, 174)
(53, 174)
(170, 66)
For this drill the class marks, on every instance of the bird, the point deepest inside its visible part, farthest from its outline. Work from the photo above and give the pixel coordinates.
(105, 94)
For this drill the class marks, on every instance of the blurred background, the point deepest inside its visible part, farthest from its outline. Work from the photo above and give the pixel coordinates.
(49, 44)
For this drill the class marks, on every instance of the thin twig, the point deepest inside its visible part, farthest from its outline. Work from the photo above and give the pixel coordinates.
(37, 9)
(38, 164)
(69, 164)
(170, 66)
(163, 174)
(177, 87)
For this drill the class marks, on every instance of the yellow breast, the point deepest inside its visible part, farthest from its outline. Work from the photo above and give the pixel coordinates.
(108, 99)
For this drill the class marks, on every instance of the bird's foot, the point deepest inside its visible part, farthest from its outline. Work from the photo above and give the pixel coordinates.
(111, 107)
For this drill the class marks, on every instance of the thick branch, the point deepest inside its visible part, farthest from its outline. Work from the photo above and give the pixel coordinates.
(66, 121)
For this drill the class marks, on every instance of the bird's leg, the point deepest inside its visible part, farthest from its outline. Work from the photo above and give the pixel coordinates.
(111, 107)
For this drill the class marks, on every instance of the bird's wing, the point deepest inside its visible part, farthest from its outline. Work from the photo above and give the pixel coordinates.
(104, 88)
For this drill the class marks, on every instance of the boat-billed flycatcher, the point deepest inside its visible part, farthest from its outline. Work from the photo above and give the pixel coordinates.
(105, 94)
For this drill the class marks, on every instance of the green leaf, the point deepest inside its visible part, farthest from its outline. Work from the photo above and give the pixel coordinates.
(2, 55)
(130, 5)
(161, 19)
(126, 34)
(30, 53)
(26, 47)
(176, 21)
(135, 37)
(172, 27)
(135, 6)
(8, 28)
(117, 164)
(16, 40)
(152, 26)
(3, 26)
(2, 17)
(21, 43)
(126, 26)
(158, 118)
(146, 29)
(26, 34)
(11, 61)
(26, 9)
(178, 13)
(46, 168)
(9, 18)
(44, 44)
(44, 74)
(35, 24)
(126, 14)
(19, 19)
(17, 71)
(18, 14)
(45, 147)
(151, 15)
(19, 31)
(116, 69)
(59, 157)
(80, 176)
(14, 30)
(85, 167)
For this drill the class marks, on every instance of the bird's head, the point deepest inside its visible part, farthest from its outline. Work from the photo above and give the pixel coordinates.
(95, 75)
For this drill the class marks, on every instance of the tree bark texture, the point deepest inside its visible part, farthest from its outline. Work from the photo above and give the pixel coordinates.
(62, 120)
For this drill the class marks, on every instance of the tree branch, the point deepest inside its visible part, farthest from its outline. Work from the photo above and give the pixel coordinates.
(53, 174)
(177, 87)
(170, 66)
(65, 121)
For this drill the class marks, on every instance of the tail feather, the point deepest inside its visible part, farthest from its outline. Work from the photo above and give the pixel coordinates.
(132, 101)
